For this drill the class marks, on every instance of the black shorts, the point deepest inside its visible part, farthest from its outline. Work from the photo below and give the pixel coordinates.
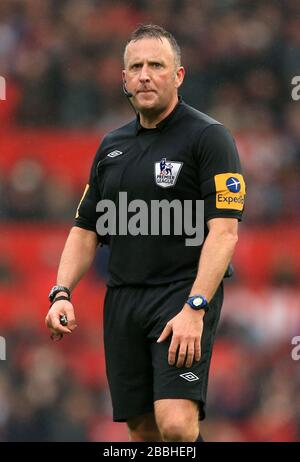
(137, 367)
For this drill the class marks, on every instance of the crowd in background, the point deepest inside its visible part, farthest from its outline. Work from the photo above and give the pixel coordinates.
(62, 60)
(65, 57)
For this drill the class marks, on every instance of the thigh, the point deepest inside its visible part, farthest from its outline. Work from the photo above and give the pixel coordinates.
(177, 418)
(171, 382)
(176, 409)
(127, 355)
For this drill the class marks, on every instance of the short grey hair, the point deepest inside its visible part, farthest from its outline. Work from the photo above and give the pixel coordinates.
(154, 31)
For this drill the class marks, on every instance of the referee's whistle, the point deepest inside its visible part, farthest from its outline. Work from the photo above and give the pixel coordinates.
(63, 320)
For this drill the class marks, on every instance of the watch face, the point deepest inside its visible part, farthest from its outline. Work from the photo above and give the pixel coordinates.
(54, 289)
(51, 291)
(197, 301)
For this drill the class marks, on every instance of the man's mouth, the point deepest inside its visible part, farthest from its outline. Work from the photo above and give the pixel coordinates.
(145, 91)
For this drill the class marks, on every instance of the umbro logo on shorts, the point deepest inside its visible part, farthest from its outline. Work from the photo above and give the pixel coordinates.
(189, 376)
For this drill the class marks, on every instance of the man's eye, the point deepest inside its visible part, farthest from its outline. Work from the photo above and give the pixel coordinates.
(157, 65)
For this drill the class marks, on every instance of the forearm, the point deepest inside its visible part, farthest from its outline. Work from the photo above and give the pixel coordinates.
(215, 257)
(77, 257)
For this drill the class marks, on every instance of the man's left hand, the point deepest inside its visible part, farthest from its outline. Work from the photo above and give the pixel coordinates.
(187, 327)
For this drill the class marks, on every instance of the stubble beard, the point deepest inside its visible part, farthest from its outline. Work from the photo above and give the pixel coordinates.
(151, 112)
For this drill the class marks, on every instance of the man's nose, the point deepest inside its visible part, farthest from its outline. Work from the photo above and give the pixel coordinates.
(144, 75)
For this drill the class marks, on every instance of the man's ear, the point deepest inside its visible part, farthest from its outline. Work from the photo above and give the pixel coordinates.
(124, 76)
(180, 73)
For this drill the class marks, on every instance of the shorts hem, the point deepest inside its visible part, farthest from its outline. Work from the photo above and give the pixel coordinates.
(200, 401)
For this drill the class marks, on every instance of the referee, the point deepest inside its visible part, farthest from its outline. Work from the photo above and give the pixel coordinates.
(164, 297)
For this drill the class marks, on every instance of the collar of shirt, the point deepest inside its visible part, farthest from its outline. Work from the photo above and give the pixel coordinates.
(162, 124)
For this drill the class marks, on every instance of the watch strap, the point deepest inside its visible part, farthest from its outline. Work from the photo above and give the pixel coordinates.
(61, 297)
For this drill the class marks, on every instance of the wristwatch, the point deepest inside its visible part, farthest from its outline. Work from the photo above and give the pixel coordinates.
(56, 289)
(198, 302)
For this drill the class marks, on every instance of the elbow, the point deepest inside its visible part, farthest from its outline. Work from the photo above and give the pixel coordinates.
(232, 239)
(224, 231)
(228, 238)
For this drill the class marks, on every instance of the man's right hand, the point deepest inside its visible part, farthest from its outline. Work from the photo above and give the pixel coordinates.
(58, 309)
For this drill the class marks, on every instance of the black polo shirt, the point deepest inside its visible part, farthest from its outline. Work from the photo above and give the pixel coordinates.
(188, 156)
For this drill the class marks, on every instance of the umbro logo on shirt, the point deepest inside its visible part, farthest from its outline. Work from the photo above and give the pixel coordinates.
(114, 153)
(189, 376)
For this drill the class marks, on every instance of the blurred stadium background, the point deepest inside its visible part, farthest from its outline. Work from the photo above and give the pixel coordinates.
(62, 64)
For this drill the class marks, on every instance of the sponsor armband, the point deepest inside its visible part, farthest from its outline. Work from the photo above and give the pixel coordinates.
(230, 191)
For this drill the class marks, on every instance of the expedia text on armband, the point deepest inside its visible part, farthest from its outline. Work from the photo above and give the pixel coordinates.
(230, 199)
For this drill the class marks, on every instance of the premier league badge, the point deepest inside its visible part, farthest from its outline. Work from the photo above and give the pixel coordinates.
(166, 172)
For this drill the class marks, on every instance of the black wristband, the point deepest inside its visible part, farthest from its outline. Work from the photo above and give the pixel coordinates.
(61, 297)
(56, 289)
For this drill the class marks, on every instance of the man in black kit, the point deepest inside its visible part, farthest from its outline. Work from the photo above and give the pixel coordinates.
(164, 297)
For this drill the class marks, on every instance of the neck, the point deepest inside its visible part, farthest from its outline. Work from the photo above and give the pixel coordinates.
(151, 119)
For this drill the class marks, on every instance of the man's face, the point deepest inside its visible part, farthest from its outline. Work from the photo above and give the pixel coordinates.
(151, 75)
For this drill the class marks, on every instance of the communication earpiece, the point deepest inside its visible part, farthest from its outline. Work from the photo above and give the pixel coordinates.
(126, 93)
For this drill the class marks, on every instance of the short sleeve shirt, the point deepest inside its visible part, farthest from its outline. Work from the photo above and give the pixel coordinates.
(187, 160)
